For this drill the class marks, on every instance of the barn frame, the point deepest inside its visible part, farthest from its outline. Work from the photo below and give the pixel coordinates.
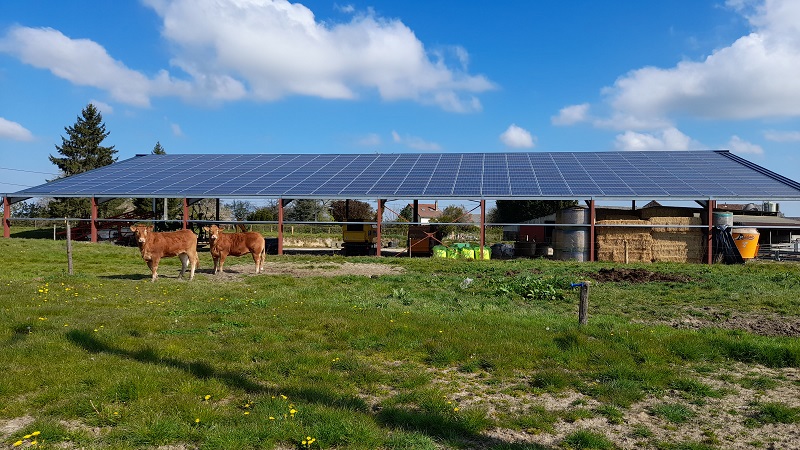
(704, 177)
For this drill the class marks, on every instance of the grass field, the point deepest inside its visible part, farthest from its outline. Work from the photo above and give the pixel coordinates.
(333, 353)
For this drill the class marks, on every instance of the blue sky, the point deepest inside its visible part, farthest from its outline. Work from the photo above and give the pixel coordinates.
(260, 76)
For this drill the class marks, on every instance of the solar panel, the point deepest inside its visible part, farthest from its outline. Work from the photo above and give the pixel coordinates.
(663, 175)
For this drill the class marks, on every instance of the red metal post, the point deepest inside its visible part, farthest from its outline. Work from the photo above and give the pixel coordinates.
(378, 243)
(93, 221)
(6, 217)
(592, 220)
(185, 212)
(280, 226)
(483, 226)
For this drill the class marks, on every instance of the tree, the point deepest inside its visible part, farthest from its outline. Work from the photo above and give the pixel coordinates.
(306, 210)
(240, 210)
(158, 149)
(356, 211)
(518, 211)
(406, 213)
(267, 213)
(455, 214)
(80, 152)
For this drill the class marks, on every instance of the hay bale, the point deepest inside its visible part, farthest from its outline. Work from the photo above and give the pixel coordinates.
(666, 211)
(652, 243)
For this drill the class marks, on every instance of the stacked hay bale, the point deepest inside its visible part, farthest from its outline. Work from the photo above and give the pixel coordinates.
(644, 241)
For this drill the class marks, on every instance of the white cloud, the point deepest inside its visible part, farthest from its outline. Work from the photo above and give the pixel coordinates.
(103, 107)
(754, 77)
(737, 145)
(517, 137)
(264, 50)
(667, 139)
(370, 140)
(14, 131)
(415, 143)
(80, 61)
(782, 136)
(176, 130)
(570, 115)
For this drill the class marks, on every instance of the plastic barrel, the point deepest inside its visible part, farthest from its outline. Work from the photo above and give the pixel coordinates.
(466, 253)
(439, 251)
(723, 219)
(525, 249)
(746, 240)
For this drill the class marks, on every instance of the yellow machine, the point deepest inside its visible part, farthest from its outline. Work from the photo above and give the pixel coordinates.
(359, 239)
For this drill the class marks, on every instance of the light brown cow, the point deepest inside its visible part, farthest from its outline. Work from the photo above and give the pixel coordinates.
(156, 245)
(235, 244)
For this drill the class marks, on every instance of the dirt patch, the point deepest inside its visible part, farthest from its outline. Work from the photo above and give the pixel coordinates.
(306, 269)
(10, 426)
(617, 275)
(764, 325)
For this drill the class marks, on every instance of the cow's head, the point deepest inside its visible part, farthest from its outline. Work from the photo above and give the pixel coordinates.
(213, 232)
(142, 232)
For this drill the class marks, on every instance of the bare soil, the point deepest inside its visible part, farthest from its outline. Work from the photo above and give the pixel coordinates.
(618, 275)
(305, 269)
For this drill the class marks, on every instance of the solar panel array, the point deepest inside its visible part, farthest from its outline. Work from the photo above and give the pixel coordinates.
(684, 175)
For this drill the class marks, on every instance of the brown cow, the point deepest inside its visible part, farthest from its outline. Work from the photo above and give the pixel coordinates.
(156, 245)
(235, 244)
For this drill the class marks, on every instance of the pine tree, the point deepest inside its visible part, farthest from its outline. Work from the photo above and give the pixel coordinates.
(158, 149)
(80, 152)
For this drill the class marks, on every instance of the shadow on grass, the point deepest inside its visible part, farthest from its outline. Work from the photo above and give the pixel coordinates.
(203, 370)
(434, 424)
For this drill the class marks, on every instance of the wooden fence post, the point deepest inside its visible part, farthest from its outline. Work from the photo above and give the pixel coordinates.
(583, 306)
(69, 247)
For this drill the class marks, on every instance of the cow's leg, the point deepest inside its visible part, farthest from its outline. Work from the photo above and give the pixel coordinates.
(184, 263)
(195, 261)
(221, 261)
(216, 264)
(257, 260)
(153, 263)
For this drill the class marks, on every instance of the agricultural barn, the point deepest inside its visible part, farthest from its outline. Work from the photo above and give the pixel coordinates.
(704, 177)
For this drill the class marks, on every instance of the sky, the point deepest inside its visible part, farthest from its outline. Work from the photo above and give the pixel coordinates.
(319, 76)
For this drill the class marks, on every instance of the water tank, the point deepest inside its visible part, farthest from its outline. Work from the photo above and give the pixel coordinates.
(571, 243)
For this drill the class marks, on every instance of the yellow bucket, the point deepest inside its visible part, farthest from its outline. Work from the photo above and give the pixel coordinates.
(746, 240)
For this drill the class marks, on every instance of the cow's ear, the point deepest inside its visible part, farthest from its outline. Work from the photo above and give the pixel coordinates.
(206, 229)
(134, 228)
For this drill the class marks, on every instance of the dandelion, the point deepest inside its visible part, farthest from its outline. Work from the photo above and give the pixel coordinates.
(271, 418)
(455, 409)
(246, 413)
(33, 443)
(36, 433)
(197, 420)
(27, 436)
(17, 444)
(207, 397)
(284, 397)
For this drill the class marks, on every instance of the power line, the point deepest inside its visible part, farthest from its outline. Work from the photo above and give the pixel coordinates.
(27, 171)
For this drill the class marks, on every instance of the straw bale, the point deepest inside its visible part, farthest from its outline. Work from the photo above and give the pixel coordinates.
(675, 221)
(666, 211)
(678, 247)
(646, 244)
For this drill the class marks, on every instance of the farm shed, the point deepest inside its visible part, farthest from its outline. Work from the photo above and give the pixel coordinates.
(702, 176)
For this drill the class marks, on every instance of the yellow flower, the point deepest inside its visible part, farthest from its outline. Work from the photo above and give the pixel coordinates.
(271, 418)
(455, 409)
(33, 443)
(196, 420)
(27, 436)
(246, 413)
(17, 444)
(207, 397)
(284, 397)
(36, 433)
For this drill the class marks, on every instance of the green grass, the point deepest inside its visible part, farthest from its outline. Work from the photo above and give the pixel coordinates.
(105, 359)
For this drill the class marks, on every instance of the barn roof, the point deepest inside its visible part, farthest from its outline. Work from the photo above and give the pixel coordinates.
(661, 175)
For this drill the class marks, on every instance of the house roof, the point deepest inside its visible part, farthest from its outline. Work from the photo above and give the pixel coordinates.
(662, 175)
